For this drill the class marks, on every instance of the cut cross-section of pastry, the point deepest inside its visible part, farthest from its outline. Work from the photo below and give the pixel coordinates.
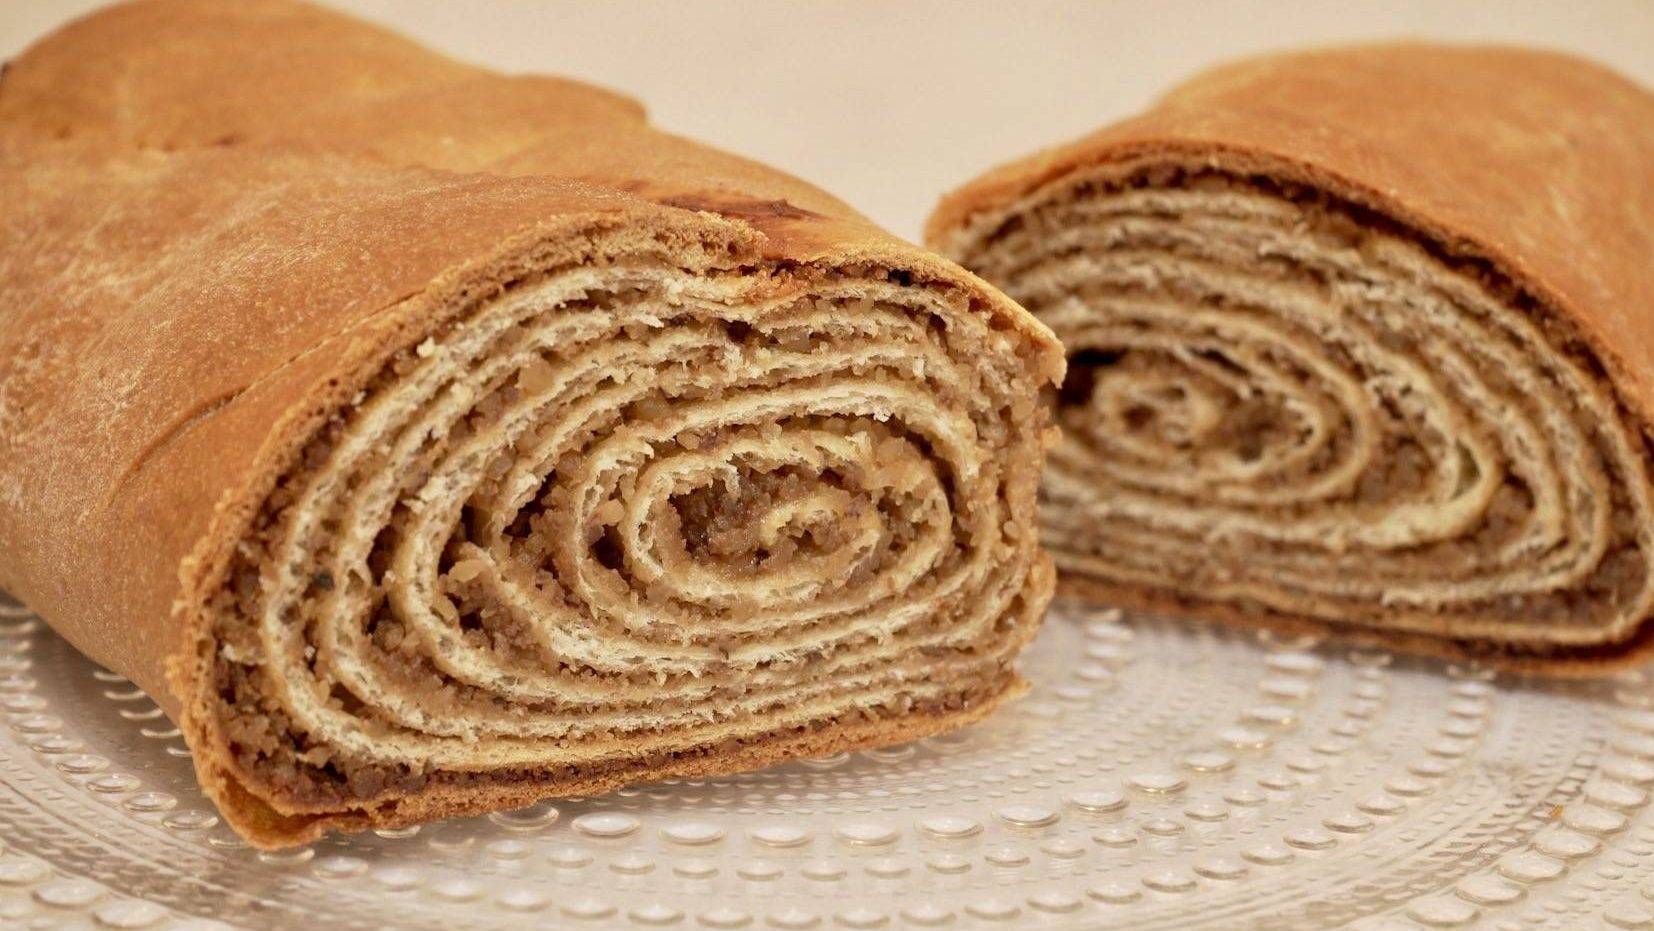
(1359, 340)
(428, 441)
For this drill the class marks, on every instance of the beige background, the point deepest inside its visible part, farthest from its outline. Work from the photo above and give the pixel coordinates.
(888, 104)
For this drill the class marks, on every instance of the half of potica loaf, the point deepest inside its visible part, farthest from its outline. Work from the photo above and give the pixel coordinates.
(428, 440)
(1359, 339)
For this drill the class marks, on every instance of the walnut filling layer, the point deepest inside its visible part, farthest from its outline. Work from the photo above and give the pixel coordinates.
(625, 512)
(1284, 404)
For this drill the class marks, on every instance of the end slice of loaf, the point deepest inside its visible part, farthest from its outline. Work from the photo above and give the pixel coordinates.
(1359, 340)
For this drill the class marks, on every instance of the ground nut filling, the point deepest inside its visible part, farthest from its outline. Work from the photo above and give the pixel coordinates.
(625, 512)
(1287, 406)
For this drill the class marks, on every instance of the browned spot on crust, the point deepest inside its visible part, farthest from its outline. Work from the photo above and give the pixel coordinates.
(740, 208)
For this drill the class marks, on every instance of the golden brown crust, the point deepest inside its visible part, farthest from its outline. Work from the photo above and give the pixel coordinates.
(222, 219)
(1536, 166)
(184, 74)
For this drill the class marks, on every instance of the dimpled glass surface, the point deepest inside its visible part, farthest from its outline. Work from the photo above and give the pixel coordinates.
(1159, 775)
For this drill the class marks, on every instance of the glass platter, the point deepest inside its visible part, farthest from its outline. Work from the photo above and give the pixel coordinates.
(1158, 776)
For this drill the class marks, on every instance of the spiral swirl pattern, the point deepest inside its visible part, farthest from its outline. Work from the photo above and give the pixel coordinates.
(1280, 405)
(628, 512)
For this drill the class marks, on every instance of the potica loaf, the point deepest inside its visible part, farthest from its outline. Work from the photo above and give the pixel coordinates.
(429, 441)
(1359, 340)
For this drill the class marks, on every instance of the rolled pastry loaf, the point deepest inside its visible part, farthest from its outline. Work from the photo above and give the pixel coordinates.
(428, 441)
(1359, 340)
